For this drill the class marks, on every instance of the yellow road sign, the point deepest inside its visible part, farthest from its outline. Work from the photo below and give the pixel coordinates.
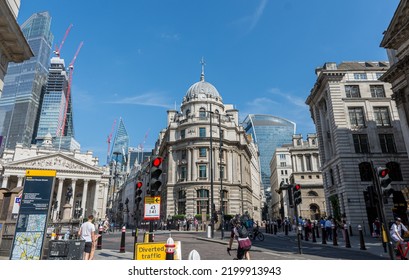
(152, 199)
(155, 251)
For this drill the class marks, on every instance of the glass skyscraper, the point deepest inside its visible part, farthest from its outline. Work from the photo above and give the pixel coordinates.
(56, 109)
(269, 133)
(24, 84)
(120, 145)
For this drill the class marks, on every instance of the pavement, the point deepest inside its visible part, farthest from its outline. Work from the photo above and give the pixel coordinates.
(371, 245)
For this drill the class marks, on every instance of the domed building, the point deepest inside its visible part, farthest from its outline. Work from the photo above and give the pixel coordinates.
(208, 158)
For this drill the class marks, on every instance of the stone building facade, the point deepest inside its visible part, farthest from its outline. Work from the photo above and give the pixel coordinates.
(358, 127)
(75, 170)
(205, 148)
(298, 163)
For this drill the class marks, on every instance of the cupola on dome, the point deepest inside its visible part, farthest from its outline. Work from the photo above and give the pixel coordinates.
(200, 88)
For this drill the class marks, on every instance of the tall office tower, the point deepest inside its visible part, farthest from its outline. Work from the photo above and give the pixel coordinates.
(120, 145)
(269, 133)
(55, 117)
(24, 83)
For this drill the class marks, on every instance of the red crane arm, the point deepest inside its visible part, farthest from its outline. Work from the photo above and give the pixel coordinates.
(58, 51)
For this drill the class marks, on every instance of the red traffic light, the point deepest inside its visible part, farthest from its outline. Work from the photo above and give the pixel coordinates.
(382, 172)
(297, 187)
(157, 161)
(139, 184)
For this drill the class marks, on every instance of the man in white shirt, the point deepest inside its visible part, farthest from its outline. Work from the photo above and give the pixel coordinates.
(87, 232)
(395, 232)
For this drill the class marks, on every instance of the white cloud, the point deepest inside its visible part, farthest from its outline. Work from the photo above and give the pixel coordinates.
(289, 97)
(251, 20)
(156, 99)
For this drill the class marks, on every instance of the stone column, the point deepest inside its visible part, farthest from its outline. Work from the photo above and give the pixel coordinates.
(84, 198)
(189, 168)
(104, 202)
(59, 197)
(5, 181)
(194, 166)
(95, 206)
(20, 181)
(73, 184)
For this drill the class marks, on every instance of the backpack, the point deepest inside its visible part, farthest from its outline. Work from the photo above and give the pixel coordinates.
(242, 231)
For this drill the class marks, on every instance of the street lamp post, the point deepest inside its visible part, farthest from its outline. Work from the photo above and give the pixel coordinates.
(221, 177)
(211, 175)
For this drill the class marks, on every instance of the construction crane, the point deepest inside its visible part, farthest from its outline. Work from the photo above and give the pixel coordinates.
(68, 97)
(109, 139)
(141, 146)
(57, 51)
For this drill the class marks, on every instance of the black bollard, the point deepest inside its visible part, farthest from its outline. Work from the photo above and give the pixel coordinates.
(350, 230)
(334, 235)
(347, 241)
(122, 246)
(313, 232)
(318, 230)
(361, 238)
(275, 229)
(286, 229)
(323, 235)
(99, 241)
(267, 228)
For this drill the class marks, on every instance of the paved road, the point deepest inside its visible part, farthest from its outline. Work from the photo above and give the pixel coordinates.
(274, 247)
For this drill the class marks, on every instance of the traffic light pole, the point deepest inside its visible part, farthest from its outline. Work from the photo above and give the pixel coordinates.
(385, 228)
(298, 229)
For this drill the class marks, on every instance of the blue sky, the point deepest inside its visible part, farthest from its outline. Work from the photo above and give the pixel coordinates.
(140, 57)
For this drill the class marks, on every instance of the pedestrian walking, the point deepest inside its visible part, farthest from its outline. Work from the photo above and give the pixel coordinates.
(87, 233)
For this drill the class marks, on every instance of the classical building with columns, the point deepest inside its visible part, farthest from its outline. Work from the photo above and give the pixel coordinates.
(298, 163)
(206, 152)
(76, 171)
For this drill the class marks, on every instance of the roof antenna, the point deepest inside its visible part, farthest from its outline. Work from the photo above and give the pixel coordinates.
(202, 61)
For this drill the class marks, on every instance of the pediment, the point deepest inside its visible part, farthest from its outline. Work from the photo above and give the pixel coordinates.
(59, 162)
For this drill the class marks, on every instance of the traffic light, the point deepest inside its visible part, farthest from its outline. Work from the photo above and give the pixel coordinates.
(297, 194)
(371, 197)
(138, 193)
(290, 196)
(385, 182)
(155, 175)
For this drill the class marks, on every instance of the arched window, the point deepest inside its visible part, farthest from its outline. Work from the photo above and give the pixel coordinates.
(394, 171)
(216, 112)
(187, 113)
(365, 170)
(312, 193)
(315, 213)
(202, 112)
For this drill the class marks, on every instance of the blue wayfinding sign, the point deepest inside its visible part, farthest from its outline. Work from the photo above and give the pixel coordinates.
(32, 218)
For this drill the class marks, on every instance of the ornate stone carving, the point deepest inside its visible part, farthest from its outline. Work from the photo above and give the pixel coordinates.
(55, 163)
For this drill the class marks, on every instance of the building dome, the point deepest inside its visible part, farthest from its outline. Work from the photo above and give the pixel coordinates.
(202, 87)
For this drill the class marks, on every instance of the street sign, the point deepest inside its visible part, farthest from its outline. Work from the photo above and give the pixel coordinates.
(33, 215)
(152, 208)
(156, 251)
